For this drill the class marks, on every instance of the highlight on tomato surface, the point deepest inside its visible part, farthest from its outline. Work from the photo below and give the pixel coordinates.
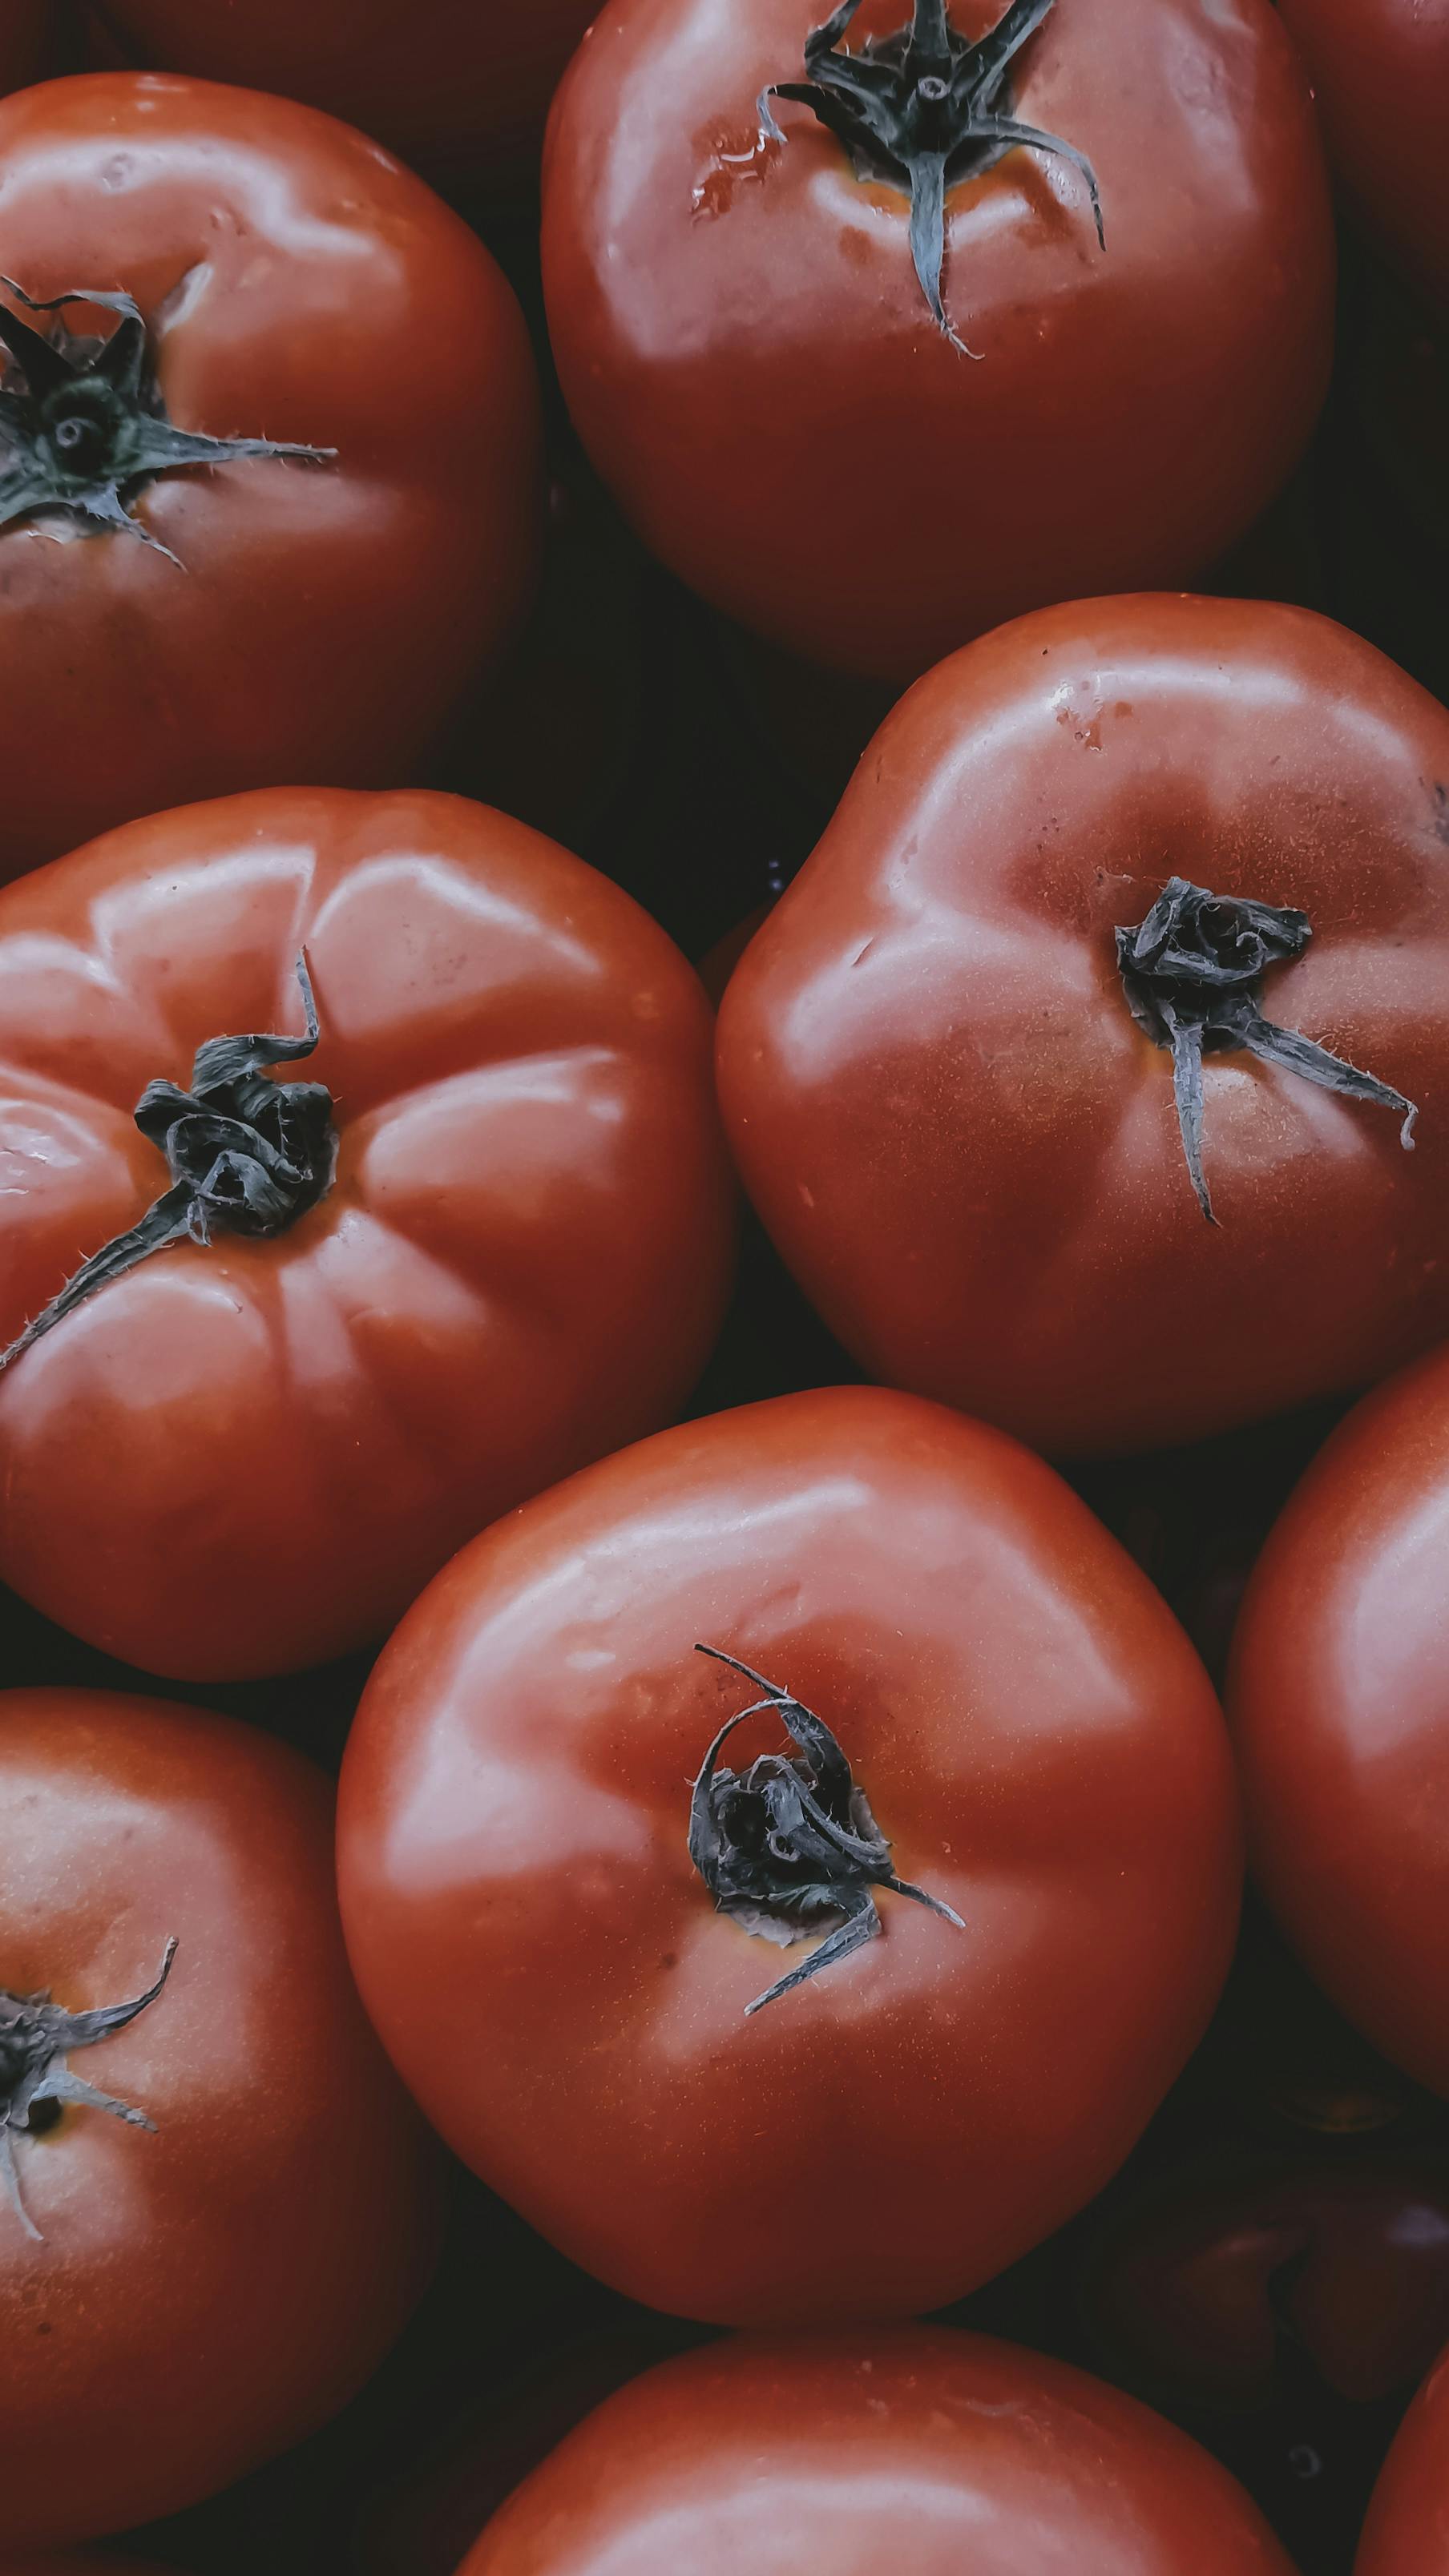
(215, 2202)
(269, 454)
(932, 2449)
(1073, 1075)
(891, 1989)
(889, 322)
(459, 88)
(1340, 1706)
(286, 1316)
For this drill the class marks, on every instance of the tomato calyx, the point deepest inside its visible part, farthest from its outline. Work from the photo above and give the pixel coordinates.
(925, 108)
(790, 1847)
(1191, 972)
(89, 430)
(36, 2038)
(247, 1155)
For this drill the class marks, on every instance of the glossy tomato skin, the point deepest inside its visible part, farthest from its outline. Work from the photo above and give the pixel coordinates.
(961, 1142)
(925, 2449)
(754, 370)
(1407, 2530)
(204, 2296)
(247, 1458)
(549, 1972)
(1340, 1704)
(319, 620)
(1211, 2288)
(460, 90)
(1380, 71)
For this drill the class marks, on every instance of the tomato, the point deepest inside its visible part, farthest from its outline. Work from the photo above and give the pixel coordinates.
(493, 1244)
(1381, 77)
(558, 1944)
(1407, 2531)
(460, 87)
(1341, 1711)
(924, 2449)
(743, 319)
(178, 2305)
(1210, 2286)
(270, 618)
(947, 1109)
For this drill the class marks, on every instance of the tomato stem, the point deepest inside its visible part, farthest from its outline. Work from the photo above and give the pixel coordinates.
(36, 2037)
(925, 108)
(790, 1846)
(1191, 972)
(247, 1155)
(89, 429)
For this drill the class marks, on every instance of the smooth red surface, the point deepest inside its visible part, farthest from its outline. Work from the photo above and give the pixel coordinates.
(928, 2451)
(1036, 1738)
(1380, 71)
(245, 1459)
(299, 285)
(205, 2295)
(755, 372)
(1211, 2288)
(961, 1142)
(1340, 1705)
(1407, 2530)
(459, 87)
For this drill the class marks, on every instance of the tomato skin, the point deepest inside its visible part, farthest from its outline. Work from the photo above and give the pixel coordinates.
(928, 2449)
(512, 1841)
(1340, 1710)
(244, 1459)
(753, 369)
(1380, 71)
(961, 1143)
(282, 2145)
(326, 616)
(1208, 2281)
(1407, 2530)
(460, 88)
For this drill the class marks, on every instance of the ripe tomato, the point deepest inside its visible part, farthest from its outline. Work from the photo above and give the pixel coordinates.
(572, 1995)
(269, 618)
(177, 2306)
(1407, 2531)
(460, 87)
(926, 2450)
(494, 1244)
(752, 359)
(1211, 2286)
(1381, 77)
(1340, 1698)
(956, 1124)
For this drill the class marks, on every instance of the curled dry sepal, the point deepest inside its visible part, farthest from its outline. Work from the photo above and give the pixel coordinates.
(926, 108)
(36, 2038)
(790, 1847)
(247, 1155)
(86, 429)
(1191, 973)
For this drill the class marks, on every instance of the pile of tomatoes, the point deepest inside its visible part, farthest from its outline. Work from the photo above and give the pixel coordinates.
(724, 1287)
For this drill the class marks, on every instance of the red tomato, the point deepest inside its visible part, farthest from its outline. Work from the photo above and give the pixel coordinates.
(460, 87)
(959, 1131)
(1381, 77)
(1197, 2288)
(269, 618)
(751, 357)
(1407, 2531)
(555, 1978)
(175, 2307)
(244, 1458)
(926, 2450)
(1340, 1697)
